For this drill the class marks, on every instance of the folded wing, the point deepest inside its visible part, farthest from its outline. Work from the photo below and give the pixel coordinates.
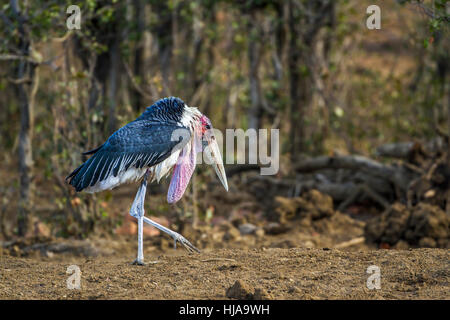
(127, 154)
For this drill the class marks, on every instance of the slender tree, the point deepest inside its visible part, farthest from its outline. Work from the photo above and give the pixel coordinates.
(26, 84)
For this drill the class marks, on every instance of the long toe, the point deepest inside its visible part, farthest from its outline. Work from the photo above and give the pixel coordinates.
(186, 244)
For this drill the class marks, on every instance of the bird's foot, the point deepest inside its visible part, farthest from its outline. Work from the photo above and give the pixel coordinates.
(185, 242)
(138, 262)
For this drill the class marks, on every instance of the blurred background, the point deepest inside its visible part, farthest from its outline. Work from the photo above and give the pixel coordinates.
(364, 120)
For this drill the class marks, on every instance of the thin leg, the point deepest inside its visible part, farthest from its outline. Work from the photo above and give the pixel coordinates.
(140, 254)
(137, 211)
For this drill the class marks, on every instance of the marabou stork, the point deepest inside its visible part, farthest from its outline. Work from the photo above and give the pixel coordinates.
(169, 134)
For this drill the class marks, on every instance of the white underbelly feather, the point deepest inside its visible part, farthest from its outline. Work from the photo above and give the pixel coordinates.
(133, 174)
(163, 168)
(128, 176)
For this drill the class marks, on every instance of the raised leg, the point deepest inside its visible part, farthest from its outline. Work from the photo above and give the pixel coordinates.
(175, 235)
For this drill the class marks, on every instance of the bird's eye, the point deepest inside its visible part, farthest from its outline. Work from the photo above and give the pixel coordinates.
(208, 127)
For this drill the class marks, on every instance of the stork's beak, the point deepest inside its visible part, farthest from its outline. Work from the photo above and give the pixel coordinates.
(214, 158)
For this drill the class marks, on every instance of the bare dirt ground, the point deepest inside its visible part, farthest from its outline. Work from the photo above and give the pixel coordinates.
(274, 273)
(301, 248)
(307, 251)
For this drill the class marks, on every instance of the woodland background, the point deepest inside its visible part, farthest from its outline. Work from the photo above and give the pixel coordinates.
(364, 115)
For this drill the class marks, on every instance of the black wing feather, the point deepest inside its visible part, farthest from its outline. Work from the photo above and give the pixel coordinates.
(139, 144)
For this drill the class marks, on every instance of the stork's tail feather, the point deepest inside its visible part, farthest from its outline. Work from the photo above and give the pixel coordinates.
(89, 172)
(74, 172)
(76, 177)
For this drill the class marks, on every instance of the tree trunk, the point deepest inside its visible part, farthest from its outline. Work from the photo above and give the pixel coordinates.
(296, 109)
(254, 58)
(162, 33)
(139, 8)
(113, 85)
(447, 97)
(25, 150)
(26, 87)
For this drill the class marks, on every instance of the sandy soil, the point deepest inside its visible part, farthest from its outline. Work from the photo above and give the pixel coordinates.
(298, 273)
(296, 254)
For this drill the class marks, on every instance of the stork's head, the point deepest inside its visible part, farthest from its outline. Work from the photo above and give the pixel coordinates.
(202, 139)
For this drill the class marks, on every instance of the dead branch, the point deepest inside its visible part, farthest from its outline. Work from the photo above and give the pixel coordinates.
(400, 150)
(7, 57)
(353, 162)
(350, 243)
(399, 176)
(136, 86)
(363, 190)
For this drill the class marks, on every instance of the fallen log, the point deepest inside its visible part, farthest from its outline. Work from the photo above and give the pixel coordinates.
(400, 176)
(345, 192)
(408, 151)
(353, 162)
(400, 150)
